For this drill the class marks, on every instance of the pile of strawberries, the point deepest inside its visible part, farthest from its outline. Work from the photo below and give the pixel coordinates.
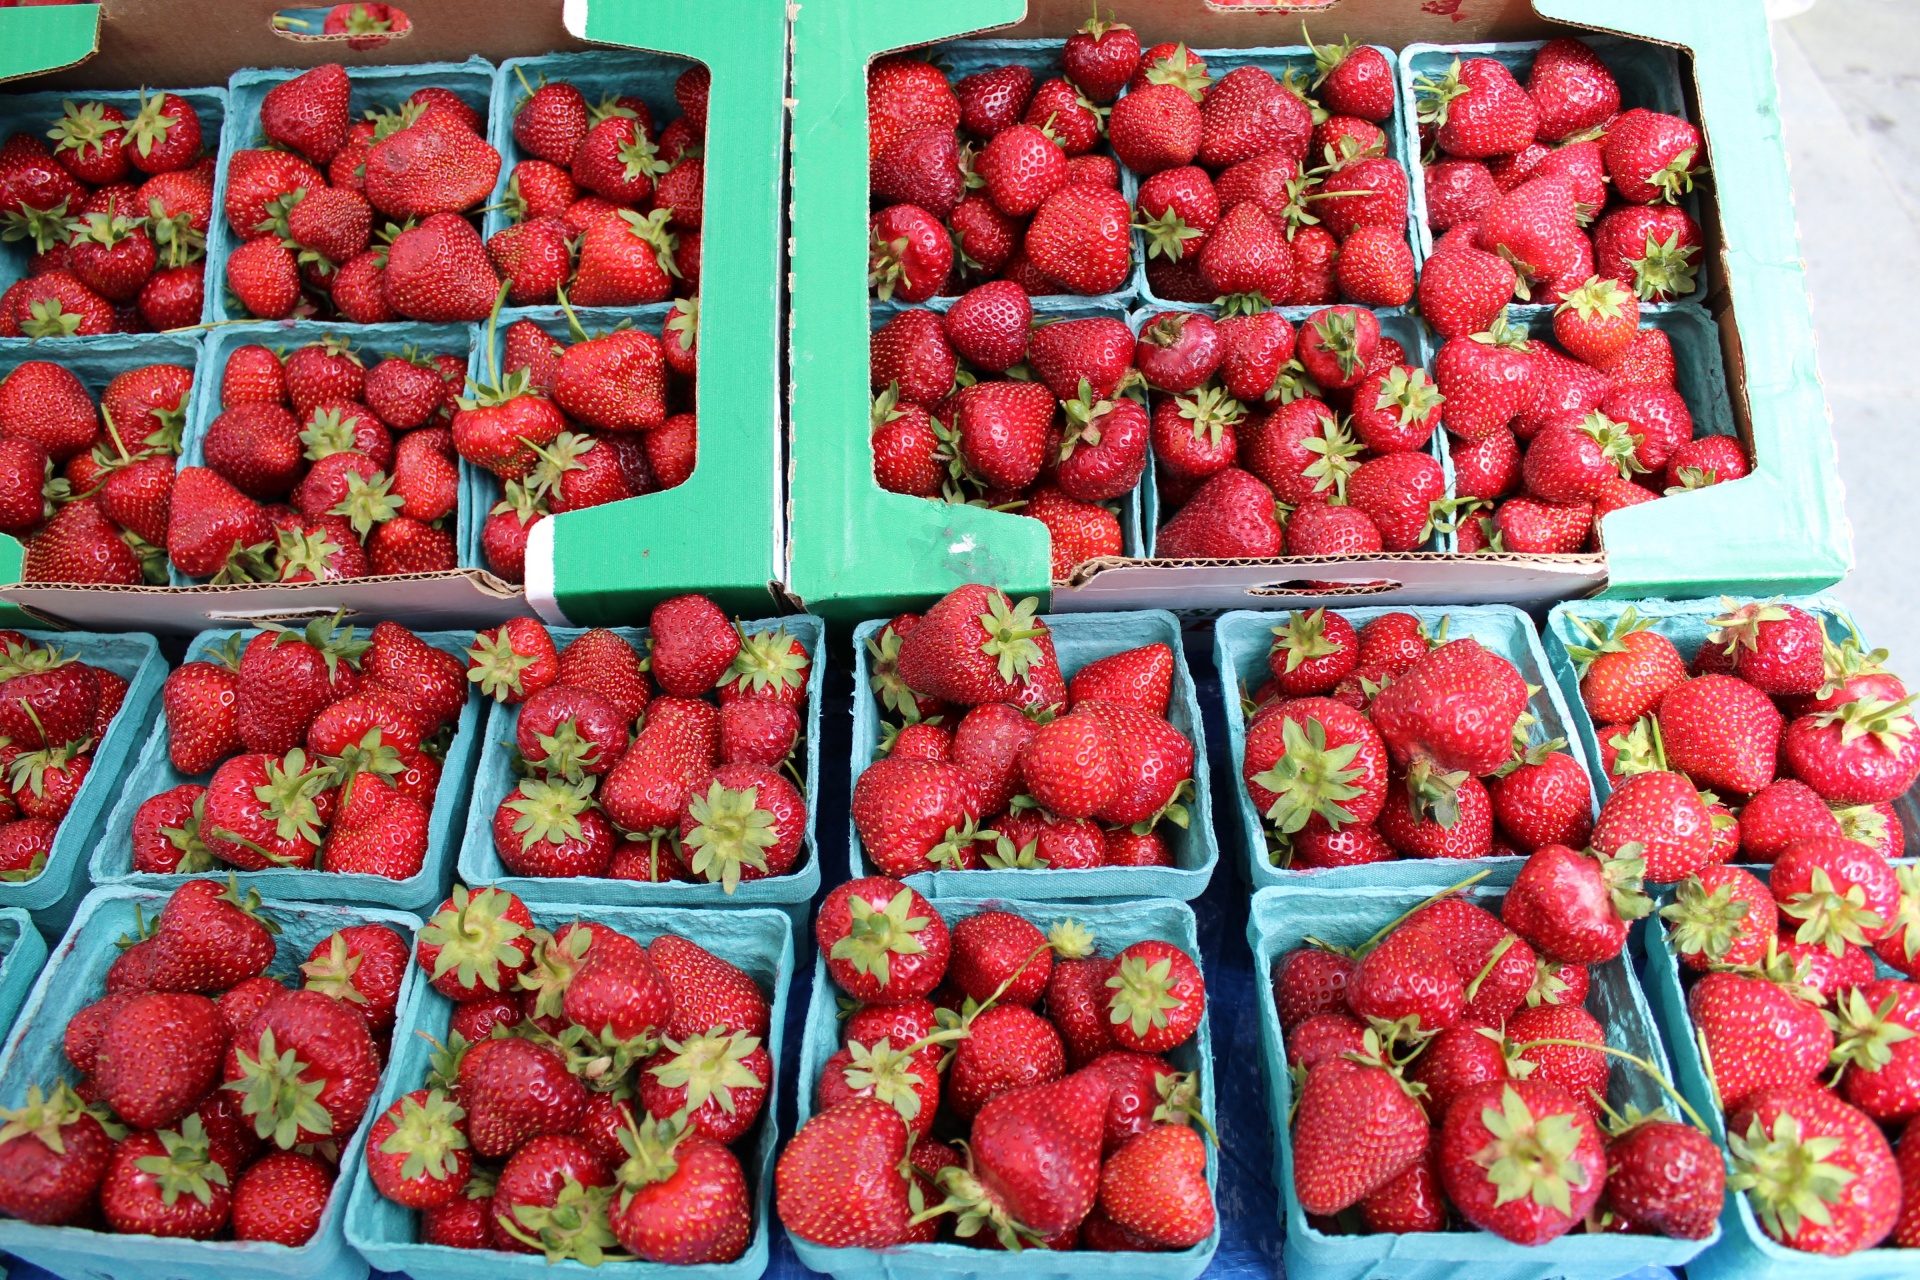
(588, 1096)
(999, 762)
(303, 207)
(1793, 735)
(1025, 198)
(305, 480)
(1389, 742)
(984, 406)
(946, 1038)
(54, 711)
(117, 214)
(606, 209)
(1526, 171)
(324, 750)
(575, 424)
(89, 487)
(1447, 1068)
(1254, 454)
(620, 782)
(212, 1100)
(1256, 193)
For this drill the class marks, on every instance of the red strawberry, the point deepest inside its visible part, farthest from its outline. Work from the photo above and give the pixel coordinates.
(993, 100)
(1652, 157)
(166, 1184)
(1357, 1127)
(1419, 717)
(1230, 516)
(52, 1158)
(309, 112)
(1654, 250)
(1572, 89)
(438, 271)
(1721, 732)
(1464, 290)
(1548, 1150)
(909, 256)
(1855, 1182)
(1479, 109)
(839, 1183)
(1575, 906)
(1081, 236)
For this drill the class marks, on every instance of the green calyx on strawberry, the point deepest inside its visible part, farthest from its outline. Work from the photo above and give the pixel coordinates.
(1338, 457)
(1434, 793)
(550, 810)
(1887, 723)
(1832, 918)
(1623, 875)
(369, 501)
(187, 1166)
(889, 1072)
(1617, 442)
(1411, 396)
(1012, 635)
(1786, 1175)
(29, 769)
(1083, 420)
(1864, 1035)
(427, 1134)
(1529, 1158)
(768, 662)
(566, 752)
(574, 1228)
(44, 1115)
(335, 641)
(305, 551)
(46, 228)
(1311, 778)
(875, 935)
(194, 854)
(1739, 627)
(652, 228)
(1906, 920)
(475, 938)
(496, 665)
(976, 1210)
(289, 799)
(1597, 298)
(332, 974)
(369, 755)
(275, 1097)
(731, 833)
(48, 318)
(1005, 855)
(602, 1060)
(1665, 270)
(1142, 993)
(1167, 235)
(710, 1067)
(1212, 411)
(1304, 636)
(1705, 921)
(1599, 640)
(1639, 749)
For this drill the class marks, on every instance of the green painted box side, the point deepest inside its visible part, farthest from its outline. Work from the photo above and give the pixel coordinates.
(721, 531)
(45, 38)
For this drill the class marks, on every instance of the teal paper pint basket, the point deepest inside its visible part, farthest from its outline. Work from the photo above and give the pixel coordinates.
(1648, 75)
(598, 74)
(1278, 62)
(75, 977)
(760, 942)
(51, 896)
(372, 343)
(1743, 1251)
(1281, 920)
(1078, 638)
(1240, 644)
(23, 953)
(480, 863)
(373, 88)
(1685, 622)
(1115, 926)
(422, 891)
(35, 113)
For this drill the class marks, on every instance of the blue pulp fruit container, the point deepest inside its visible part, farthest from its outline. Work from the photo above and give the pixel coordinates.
(1398, 325)
(52, 895)
(1078, 639)
(479, 487)
(1685, 622)
(598, 74)
(75, 977)
(373, 343)
(1648, 75)
(1282, 919)
(1744, 1251)
(98, 361)
(962, 58)
(494, 780)
(1241, 641)
(23, 953)
(35, 113)
(1278, 62)
(1115, 926)
(422, 891)
(760, 942)
(373, 88)
(1133, 504)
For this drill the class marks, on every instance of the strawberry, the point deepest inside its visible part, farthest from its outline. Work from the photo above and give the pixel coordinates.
(1861, 752)
(281, 1199)
(1721, 732)
(1597, 321)
(1709, 460)
(1527, 524)
(839, 1183)
(179, 1030)
(309, 1039)
(433, 166)
(1156, 1188)
(550, 121)
(53, 1155)
(1871, 1019)
(1522, 1159)
(1231, 516)
(361, 965)
(1545, 800)
(1581, 1072)
(1375, 267)
(683, 1198)
(309, 112)
(545, 1203)
(1853, 1182)
(1357, 1127)
(1141, 678)
(1464, 290)
(1478, 109)
(438, 271)
(1575, 906)
(1654, 250)
(1246, 260)
(1100, 57)
(1721, 915)
(1572, 89)
(909, 256)
(1663, 817)
(744, 823)
(166, 1184)
(993, 100)
(1000, 955)
(912, 813)
(1775, 647)
(47, 404)
(1409, 716)
(1072, 766)
(468, 946)
(1759, 1035)
(1081, 237)
(1458, 192)
(1666, 1177)
(1781, 813)
(1157, 997)
(1626, 670)
(1839, 890)
(1652, 157)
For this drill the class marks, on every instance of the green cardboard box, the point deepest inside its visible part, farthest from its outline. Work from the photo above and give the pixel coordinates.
(855, 551)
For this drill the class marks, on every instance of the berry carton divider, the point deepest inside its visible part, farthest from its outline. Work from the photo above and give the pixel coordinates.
(480, 489)
(495, 779)
(1394, 323)
(1743, 1251)
(601, 73)
(1241, 641)
(758, 941)
(1685, 622)
(75, 977)
(1115, 926)
(1278, 62)
(1078, 639)
(1648, 75)
(372, 343)
(35, 113)
(52, 896)
(373, 89)
(154, 773)
(23, 953)
(1132, 538)
(1281, 920)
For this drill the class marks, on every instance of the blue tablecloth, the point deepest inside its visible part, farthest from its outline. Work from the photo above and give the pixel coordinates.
(1249, 1212)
